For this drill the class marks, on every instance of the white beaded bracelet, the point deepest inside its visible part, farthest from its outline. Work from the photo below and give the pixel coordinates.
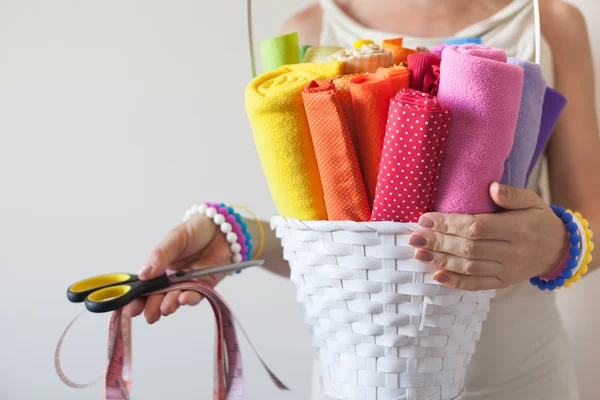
(221, 221)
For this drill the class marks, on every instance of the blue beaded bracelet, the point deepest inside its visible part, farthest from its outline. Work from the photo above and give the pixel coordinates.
(574, 252)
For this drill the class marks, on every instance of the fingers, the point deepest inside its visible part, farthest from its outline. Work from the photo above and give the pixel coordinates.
(135, 308)
(464, 282)
(170, 303)
(512, 198)
(461, 265)
(474, 227)
(152, 309)
(197, 245)
(492, 250)
(182, 241)
(190, 298)
(159, 304)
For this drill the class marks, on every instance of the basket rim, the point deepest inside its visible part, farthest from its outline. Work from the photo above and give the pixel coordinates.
(384, 227)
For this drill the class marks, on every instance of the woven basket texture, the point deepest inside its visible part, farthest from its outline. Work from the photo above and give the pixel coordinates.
(384, 329)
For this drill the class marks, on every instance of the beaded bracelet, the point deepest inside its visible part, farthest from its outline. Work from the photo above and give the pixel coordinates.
(231, 224)
(240, 228)
(579, 256)
(587, 248)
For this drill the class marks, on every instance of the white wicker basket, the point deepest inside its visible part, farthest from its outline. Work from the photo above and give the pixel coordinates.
(385, 330)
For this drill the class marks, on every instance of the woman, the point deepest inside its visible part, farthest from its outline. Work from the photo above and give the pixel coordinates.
(523, 352)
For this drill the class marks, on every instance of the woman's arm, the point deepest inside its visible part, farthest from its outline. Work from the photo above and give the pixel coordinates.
(491, 251)
(574, 149)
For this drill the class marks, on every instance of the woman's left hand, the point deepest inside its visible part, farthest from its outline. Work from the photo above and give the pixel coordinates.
(493, 251)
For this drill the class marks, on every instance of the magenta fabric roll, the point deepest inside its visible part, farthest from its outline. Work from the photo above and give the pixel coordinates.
(484, 94)
(437, 50)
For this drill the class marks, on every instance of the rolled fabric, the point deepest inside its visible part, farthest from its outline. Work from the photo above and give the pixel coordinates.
(371, 94)
(320, 53)
(361, 42)
(343, 187)
(437, 50)
(412, 155)
(368, 58)
(425, 75)
(484, 94)
(282, 137)
(303, 51)
(279, 51)
(395, 47)
(461, 41)
(554, 104)
(401, 55)
(342, 89)
(400, 77)
(516, 166)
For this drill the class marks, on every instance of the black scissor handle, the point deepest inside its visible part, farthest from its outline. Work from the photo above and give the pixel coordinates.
(78, 292)
(112, 298)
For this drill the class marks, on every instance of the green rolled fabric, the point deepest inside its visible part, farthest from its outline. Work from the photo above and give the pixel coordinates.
(280, 51)
(303, 51)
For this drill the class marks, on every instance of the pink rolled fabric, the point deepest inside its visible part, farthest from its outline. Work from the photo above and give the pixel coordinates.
(484, 94)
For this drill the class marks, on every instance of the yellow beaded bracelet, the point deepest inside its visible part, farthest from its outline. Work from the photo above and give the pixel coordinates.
(587, 257)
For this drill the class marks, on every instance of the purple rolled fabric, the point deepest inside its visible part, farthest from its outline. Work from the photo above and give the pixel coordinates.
(554, 104)
(516, 166)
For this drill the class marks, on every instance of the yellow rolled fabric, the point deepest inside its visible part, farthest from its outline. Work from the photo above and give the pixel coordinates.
(282, 137)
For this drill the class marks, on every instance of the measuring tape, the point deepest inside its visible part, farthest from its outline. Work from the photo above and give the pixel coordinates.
(228, 372)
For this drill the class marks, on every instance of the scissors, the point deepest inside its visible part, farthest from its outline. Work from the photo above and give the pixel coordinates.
(110, 292)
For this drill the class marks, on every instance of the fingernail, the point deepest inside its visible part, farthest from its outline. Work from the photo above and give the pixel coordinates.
(501, 190)
(145, 271)
(424, 256)
(441, 278)
(426, 222)
(417, 240)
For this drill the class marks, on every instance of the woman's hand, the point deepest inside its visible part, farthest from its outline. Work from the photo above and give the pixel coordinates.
(492, 251)
(194, 244)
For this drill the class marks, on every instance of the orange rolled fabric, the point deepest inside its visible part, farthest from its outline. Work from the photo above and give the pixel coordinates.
(371, 96)
(343, 187)
(399, 76)
(399, 53)
(342, 88)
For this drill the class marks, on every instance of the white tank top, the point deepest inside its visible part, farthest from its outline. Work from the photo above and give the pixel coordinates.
(524, 351)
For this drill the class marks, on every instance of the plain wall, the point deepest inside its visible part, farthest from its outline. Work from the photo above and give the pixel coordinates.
(115, 116)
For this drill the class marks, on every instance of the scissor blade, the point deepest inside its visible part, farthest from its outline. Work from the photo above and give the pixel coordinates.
(221, 269)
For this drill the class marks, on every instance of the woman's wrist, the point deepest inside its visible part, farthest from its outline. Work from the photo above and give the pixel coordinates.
(555, 267)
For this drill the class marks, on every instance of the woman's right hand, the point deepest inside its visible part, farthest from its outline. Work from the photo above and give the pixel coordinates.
(194, 244)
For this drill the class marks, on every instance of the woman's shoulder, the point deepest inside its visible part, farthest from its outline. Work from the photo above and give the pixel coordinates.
(563, 25)
(307, 22)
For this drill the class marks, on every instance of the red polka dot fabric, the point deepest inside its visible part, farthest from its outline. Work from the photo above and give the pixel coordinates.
(412, 155)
